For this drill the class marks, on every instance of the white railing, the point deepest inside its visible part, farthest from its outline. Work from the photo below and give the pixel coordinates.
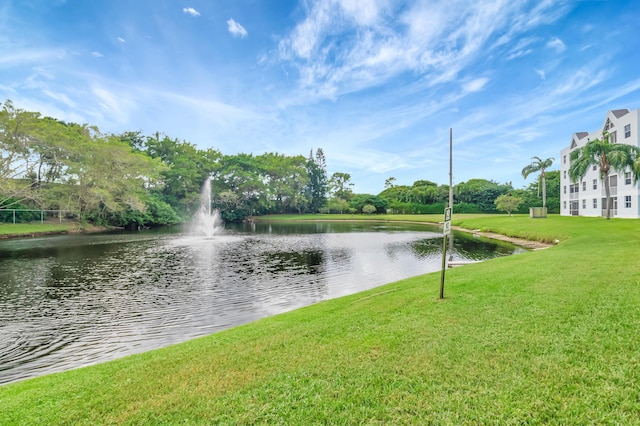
(60, 214)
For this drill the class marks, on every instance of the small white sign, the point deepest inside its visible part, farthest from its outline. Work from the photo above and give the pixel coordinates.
(447, 214)
(446, 230)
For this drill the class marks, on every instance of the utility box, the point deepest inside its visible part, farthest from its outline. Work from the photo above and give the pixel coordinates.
(537, 212)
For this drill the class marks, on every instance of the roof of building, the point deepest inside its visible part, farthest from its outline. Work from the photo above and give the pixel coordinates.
(620, 112)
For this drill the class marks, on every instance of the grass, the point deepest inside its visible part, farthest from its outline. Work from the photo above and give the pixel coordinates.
(27, 229)
(11, 230)
(545, 337)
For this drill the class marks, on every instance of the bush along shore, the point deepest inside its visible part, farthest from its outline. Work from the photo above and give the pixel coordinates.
(543, 337)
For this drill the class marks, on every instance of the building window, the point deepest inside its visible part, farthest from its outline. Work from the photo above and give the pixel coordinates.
(627, 201)
(565, 174)
(594, 167)
(613, 137)
(564, 159)
(627, 131)
(584, 203)
(584, 185)
(595, 184)
(627, 178)
(564, 205)
(565, 189)
(595, 203)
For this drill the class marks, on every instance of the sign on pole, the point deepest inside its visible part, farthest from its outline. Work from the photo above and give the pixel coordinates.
(446, 230)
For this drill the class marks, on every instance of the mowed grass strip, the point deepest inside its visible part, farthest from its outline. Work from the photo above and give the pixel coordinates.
(27, 229)
(544, 337)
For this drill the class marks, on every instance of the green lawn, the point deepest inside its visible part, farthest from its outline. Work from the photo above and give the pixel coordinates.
(26, 229)
(544, 337)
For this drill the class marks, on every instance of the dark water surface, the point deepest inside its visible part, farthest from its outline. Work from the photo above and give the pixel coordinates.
(71, 301)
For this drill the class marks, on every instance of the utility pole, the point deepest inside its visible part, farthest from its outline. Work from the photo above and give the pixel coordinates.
(446, 232)
(451, 189)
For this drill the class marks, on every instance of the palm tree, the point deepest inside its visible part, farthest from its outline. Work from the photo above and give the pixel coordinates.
(539, 165)
(607, 156)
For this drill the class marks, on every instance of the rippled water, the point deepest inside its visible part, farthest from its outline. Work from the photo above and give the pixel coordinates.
(71, 301)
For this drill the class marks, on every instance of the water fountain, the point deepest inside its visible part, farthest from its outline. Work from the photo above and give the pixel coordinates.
(206, 222)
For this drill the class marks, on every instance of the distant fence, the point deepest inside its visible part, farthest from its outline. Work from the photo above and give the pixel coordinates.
(31, 215)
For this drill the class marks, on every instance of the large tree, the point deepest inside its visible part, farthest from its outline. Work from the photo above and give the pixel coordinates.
(318, 181)
(18, 160)
(607, 156)
(340, 184)
(285, 180)
(188, 168)
(105, 177)
(481, 192)
(539, 165)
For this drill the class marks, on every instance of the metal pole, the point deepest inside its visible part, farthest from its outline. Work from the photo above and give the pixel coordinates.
(451, 188)
(450, 234)
(450, 167)
(444, 265)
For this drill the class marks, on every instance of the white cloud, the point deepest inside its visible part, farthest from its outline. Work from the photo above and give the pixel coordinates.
(541, 73)
(112, 105)
(519, 53)
(97, 54)
(190, 11)
(522, 48)
(556, 44)
(475, 85)
(121, 40)
(236, 29)
(21, 57)
(340, 50)
(363, 12)
(59, 97)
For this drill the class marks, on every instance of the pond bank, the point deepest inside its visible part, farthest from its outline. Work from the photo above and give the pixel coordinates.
(39, 230)
(433, 220)
(529, 244)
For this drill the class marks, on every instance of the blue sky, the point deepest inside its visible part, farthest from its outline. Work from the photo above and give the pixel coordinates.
(375, 83)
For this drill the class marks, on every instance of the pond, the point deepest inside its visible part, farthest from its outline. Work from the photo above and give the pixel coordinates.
(75, 300)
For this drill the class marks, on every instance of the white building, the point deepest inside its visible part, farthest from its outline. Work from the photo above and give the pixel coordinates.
(587, 197)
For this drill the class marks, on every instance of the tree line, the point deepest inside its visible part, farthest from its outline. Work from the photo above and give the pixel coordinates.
(131, 179)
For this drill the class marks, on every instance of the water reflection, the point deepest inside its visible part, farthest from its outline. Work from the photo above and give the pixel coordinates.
(71, 301)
